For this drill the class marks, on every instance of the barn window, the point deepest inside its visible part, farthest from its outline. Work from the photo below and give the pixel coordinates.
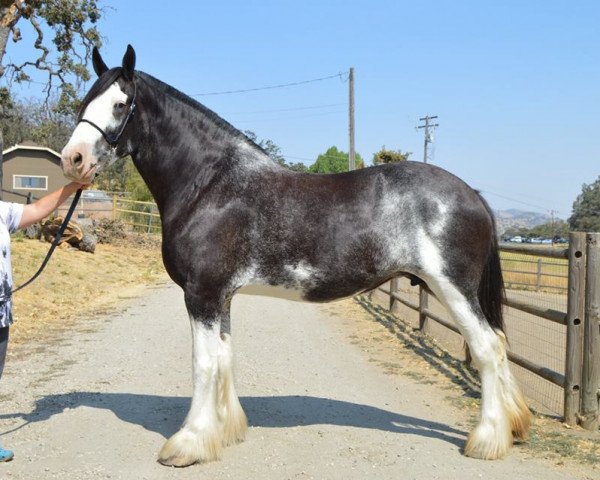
(30, 182)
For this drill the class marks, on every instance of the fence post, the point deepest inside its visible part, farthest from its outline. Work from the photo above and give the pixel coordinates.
(575, 323)
(393, 289)
(150, 221)
(114, 212)
(423, 304)
(538, 280)
(591, 340)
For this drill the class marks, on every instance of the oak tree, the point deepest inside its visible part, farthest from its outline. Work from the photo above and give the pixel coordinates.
(62, 58)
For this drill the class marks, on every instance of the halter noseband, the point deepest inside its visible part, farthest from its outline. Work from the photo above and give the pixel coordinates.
(112, 140)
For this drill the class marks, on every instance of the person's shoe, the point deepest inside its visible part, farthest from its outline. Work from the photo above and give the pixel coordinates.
(6, 455)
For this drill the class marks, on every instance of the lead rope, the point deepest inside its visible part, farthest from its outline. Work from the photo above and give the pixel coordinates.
(61, 230)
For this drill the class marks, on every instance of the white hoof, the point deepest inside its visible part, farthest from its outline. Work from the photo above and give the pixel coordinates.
(186, 448)
(489, 441)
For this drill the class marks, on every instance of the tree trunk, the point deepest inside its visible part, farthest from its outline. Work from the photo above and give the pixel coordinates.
(4, 31)
(9, 16)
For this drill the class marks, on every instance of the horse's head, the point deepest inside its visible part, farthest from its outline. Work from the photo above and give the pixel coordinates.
(100, 136)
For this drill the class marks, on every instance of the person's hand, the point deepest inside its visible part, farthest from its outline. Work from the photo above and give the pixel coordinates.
(81, 186)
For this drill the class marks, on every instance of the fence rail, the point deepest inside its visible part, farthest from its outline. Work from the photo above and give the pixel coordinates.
(524, 267)
(142, 216)
(581, 379)
(536, 251)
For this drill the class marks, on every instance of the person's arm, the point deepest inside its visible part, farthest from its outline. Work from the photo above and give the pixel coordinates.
(43, 207)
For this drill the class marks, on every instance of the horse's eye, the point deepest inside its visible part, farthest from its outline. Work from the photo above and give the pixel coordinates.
(120, 106)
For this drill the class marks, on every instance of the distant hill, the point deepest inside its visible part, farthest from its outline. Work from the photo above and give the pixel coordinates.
(519, 218)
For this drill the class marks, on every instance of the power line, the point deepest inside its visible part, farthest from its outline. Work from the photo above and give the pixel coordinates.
(515, 200)
(300, 158)
(523, 195)
(270, 87)
(310, 159)
(520, 194)
(291, 109)
(533, 205)
(277, 119)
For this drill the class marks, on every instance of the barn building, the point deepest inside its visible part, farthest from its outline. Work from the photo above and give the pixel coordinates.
(30, 169)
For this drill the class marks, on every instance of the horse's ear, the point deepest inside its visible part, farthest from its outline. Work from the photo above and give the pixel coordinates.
(129, 63)
(99, 65)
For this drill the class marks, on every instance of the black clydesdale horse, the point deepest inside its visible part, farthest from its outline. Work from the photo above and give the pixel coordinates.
(233, 220)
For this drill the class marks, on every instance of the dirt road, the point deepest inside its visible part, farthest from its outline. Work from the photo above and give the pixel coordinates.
(100, 403)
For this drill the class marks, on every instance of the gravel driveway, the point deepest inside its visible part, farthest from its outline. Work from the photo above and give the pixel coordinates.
(100, 403)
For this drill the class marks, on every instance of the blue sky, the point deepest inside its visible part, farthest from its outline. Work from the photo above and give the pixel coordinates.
(516, 85)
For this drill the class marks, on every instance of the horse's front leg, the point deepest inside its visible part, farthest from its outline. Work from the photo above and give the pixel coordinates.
(216, 418)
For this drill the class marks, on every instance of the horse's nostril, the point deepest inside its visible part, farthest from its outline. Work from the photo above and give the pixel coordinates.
(77, 158)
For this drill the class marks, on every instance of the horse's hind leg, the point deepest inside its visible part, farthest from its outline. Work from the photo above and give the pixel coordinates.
(234, 419)
(216, 418)
(503, 409)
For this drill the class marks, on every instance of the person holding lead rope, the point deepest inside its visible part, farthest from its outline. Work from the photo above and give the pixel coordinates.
(14, 216)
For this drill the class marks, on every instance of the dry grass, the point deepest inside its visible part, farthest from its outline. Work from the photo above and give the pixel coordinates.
(554, 271)
(76, 284)
(560, 442)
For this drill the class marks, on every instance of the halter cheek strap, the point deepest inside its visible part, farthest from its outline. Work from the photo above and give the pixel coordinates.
(112, 140)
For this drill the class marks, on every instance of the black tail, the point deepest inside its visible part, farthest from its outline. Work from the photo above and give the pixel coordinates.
(491, 286)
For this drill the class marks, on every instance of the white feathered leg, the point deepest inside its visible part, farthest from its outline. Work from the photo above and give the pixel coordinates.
(216, 418)
(200, 439)
(230, 411)
(503, 409)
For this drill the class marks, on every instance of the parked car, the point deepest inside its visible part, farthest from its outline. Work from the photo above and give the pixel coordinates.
(92, 204)
(95, 196)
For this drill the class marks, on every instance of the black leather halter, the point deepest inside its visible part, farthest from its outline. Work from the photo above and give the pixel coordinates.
(112, 140)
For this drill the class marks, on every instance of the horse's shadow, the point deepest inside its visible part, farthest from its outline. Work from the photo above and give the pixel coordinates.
(164, 414)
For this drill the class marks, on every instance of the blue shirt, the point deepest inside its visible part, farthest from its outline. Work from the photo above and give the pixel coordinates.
(10, 217)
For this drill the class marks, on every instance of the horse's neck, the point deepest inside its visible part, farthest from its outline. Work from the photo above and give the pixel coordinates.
(181, 149)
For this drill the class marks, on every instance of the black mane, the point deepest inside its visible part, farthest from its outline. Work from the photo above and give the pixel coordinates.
(182, 97)
(111, 76)
(189, 101)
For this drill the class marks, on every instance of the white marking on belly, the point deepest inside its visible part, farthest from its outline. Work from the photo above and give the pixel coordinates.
(301, 272)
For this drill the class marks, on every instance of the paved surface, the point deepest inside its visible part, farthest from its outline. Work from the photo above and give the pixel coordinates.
(100, 403)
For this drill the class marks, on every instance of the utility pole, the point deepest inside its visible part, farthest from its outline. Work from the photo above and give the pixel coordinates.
(351, 154)
(428, 134)
(552, 212)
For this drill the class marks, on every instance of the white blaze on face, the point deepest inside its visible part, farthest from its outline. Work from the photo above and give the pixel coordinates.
(78, 157)
(101, 109)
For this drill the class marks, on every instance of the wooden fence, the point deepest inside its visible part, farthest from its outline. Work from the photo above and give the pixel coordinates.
(529, 268)
(581, 380)
(142, 216)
